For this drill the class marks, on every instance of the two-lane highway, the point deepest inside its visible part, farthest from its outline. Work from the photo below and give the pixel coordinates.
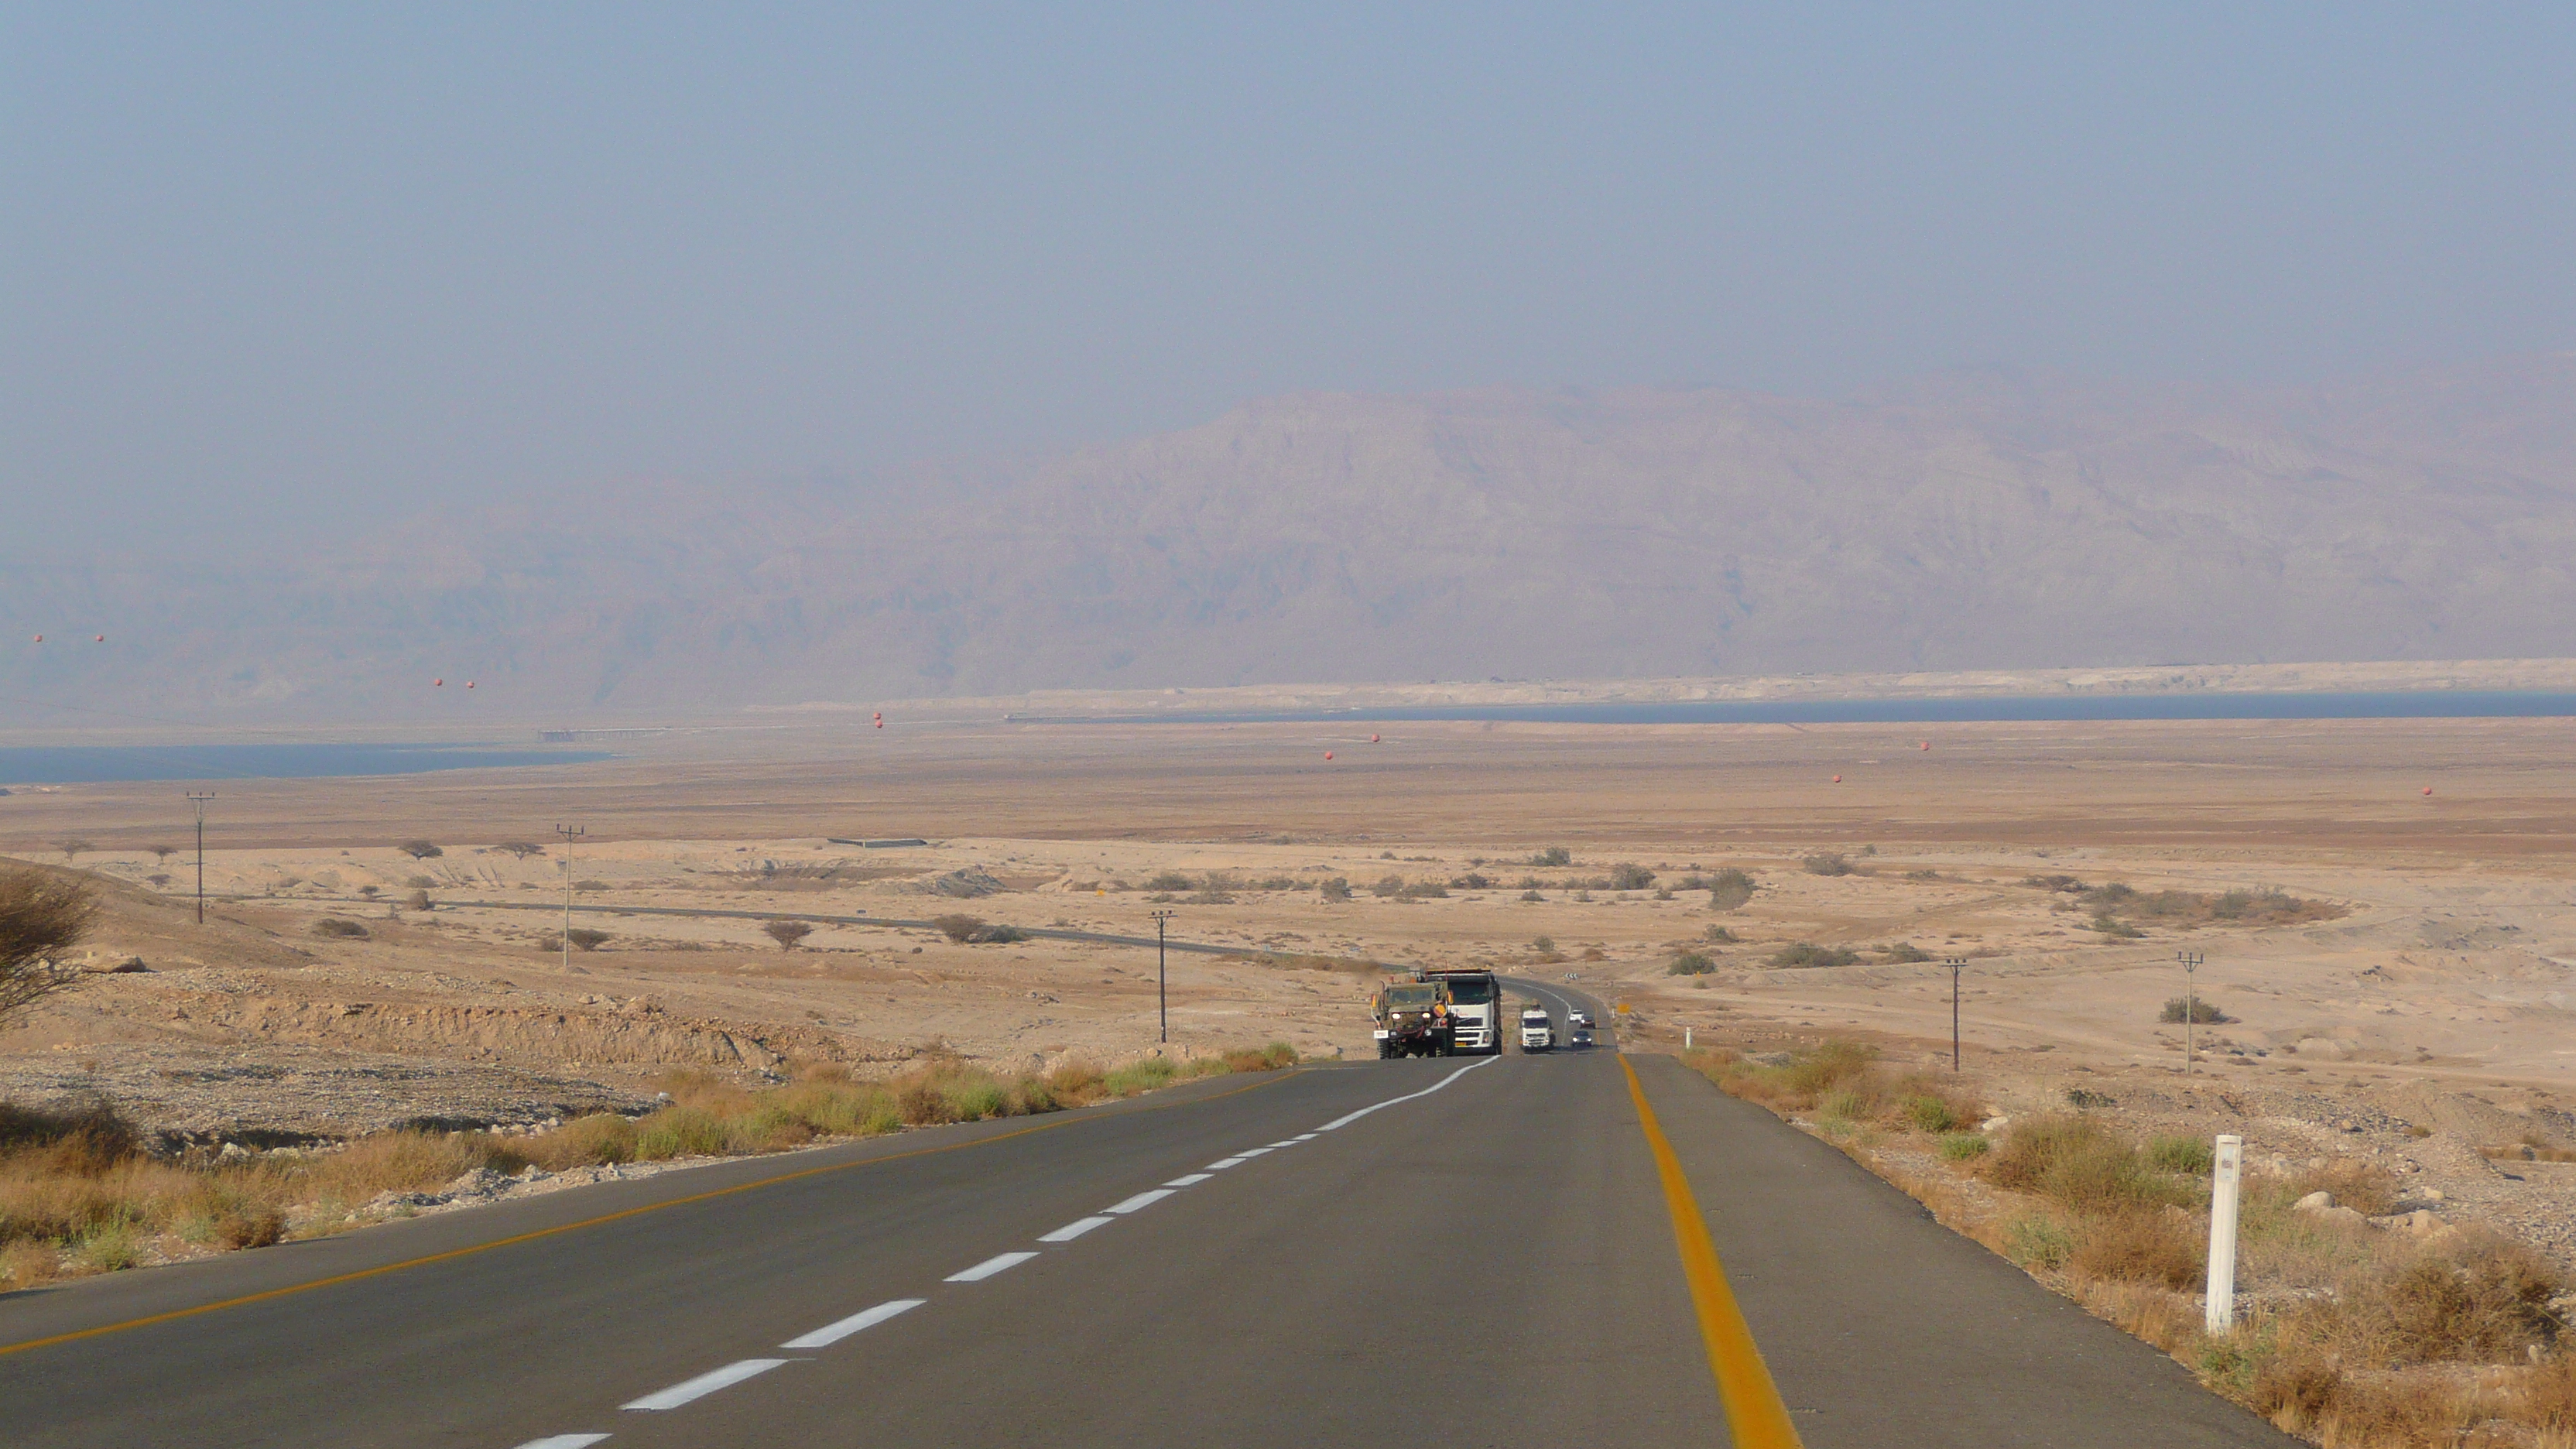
(1448, 1251)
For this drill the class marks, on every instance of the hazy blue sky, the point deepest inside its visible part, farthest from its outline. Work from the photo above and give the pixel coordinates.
(261, 262)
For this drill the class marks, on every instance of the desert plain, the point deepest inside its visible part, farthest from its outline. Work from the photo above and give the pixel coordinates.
(2409, 1004)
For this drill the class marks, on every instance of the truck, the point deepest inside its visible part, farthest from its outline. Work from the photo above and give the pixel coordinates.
(1475, 1007)
(1538, 1033)
(1413, 1019)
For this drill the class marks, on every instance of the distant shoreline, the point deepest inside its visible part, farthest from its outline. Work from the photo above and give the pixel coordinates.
(1999, 709)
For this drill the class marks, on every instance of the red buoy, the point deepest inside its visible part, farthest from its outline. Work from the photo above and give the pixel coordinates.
(40, 638)
(469, 684)
(1328, 754)
(1372, 739)
(2428, 789)
(438, 684)
(1838, 779)
(1927, 744)
(101, 639)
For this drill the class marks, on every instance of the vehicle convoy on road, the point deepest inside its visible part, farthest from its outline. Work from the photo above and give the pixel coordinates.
(1578, 1029)
(1475, 1007)
(1538, 1033)
(1413, 1019)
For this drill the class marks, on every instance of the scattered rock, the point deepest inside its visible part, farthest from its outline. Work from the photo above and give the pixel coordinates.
(2315, 1202)
(965, 884)
(1996, 1123)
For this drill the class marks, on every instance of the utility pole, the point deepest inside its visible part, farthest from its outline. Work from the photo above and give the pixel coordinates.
(1162, 978)
(197, 801)
(570, 833)
(1956, 964)
(2190, 1004)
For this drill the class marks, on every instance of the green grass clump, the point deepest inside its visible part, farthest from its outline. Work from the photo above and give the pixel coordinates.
(2194, 1155)
(1962, 1146)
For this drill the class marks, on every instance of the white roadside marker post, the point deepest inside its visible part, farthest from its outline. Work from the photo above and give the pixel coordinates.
(2221, 1314)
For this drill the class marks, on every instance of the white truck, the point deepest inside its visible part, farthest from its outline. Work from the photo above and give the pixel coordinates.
(1475, 1008)
(1538, 1033)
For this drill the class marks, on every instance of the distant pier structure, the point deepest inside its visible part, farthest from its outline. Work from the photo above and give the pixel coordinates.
(574, 737)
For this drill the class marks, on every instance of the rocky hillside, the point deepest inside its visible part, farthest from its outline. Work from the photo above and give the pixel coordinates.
(1968, 522)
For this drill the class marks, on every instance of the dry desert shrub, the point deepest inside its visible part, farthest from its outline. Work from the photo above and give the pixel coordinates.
(2083, 1166)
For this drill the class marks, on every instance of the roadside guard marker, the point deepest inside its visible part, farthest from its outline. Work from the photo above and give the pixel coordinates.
(2225, 1170)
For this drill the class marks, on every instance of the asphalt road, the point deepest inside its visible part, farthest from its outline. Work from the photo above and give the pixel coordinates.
(1487, 1253)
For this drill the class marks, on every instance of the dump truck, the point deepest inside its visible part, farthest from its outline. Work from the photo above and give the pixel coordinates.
(1413, 1019)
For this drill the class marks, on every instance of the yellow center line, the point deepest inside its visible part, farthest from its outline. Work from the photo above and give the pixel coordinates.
(1755, 1416)
(466, 1252)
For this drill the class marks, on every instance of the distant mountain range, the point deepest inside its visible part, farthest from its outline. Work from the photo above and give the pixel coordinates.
(1969, 521)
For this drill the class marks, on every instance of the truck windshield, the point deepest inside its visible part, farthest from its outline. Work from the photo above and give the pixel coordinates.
(1471, 990)
(1411, 995)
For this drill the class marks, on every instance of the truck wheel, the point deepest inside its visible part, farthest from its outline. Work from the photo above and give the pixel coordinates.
(1384, 1051)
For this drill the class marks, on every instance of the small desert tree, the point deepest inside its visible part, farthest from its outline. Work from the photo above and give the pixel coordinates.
(787, 933)
(164, 852)
(420, 850)
(40, 917)
(71, 849)
(515, 849)
(585, 939)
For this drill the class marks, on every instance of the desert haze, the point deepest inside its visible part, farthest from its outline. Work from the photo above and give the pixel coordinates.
(1967, 522)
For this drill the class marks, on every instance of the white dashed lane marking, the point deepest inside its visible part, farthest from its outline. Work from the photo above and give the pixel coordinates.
(706, 1383)
(1075, 1229)
(832, 1333)
(990, 1266)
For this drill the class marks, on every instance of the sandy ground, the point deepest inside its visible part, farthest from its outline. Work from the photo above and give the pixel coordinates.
(2436, 1002)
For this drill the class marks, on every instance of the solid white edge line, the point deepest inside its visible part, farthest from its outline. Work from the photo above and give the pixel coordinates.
(565, 1441)
(989, 1267)
(1345, 1121)
(1075, 1229)
(832, 1333)
(1222, 1166)
(706, 1383)
(1140, 1200)
(1190, 1180)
